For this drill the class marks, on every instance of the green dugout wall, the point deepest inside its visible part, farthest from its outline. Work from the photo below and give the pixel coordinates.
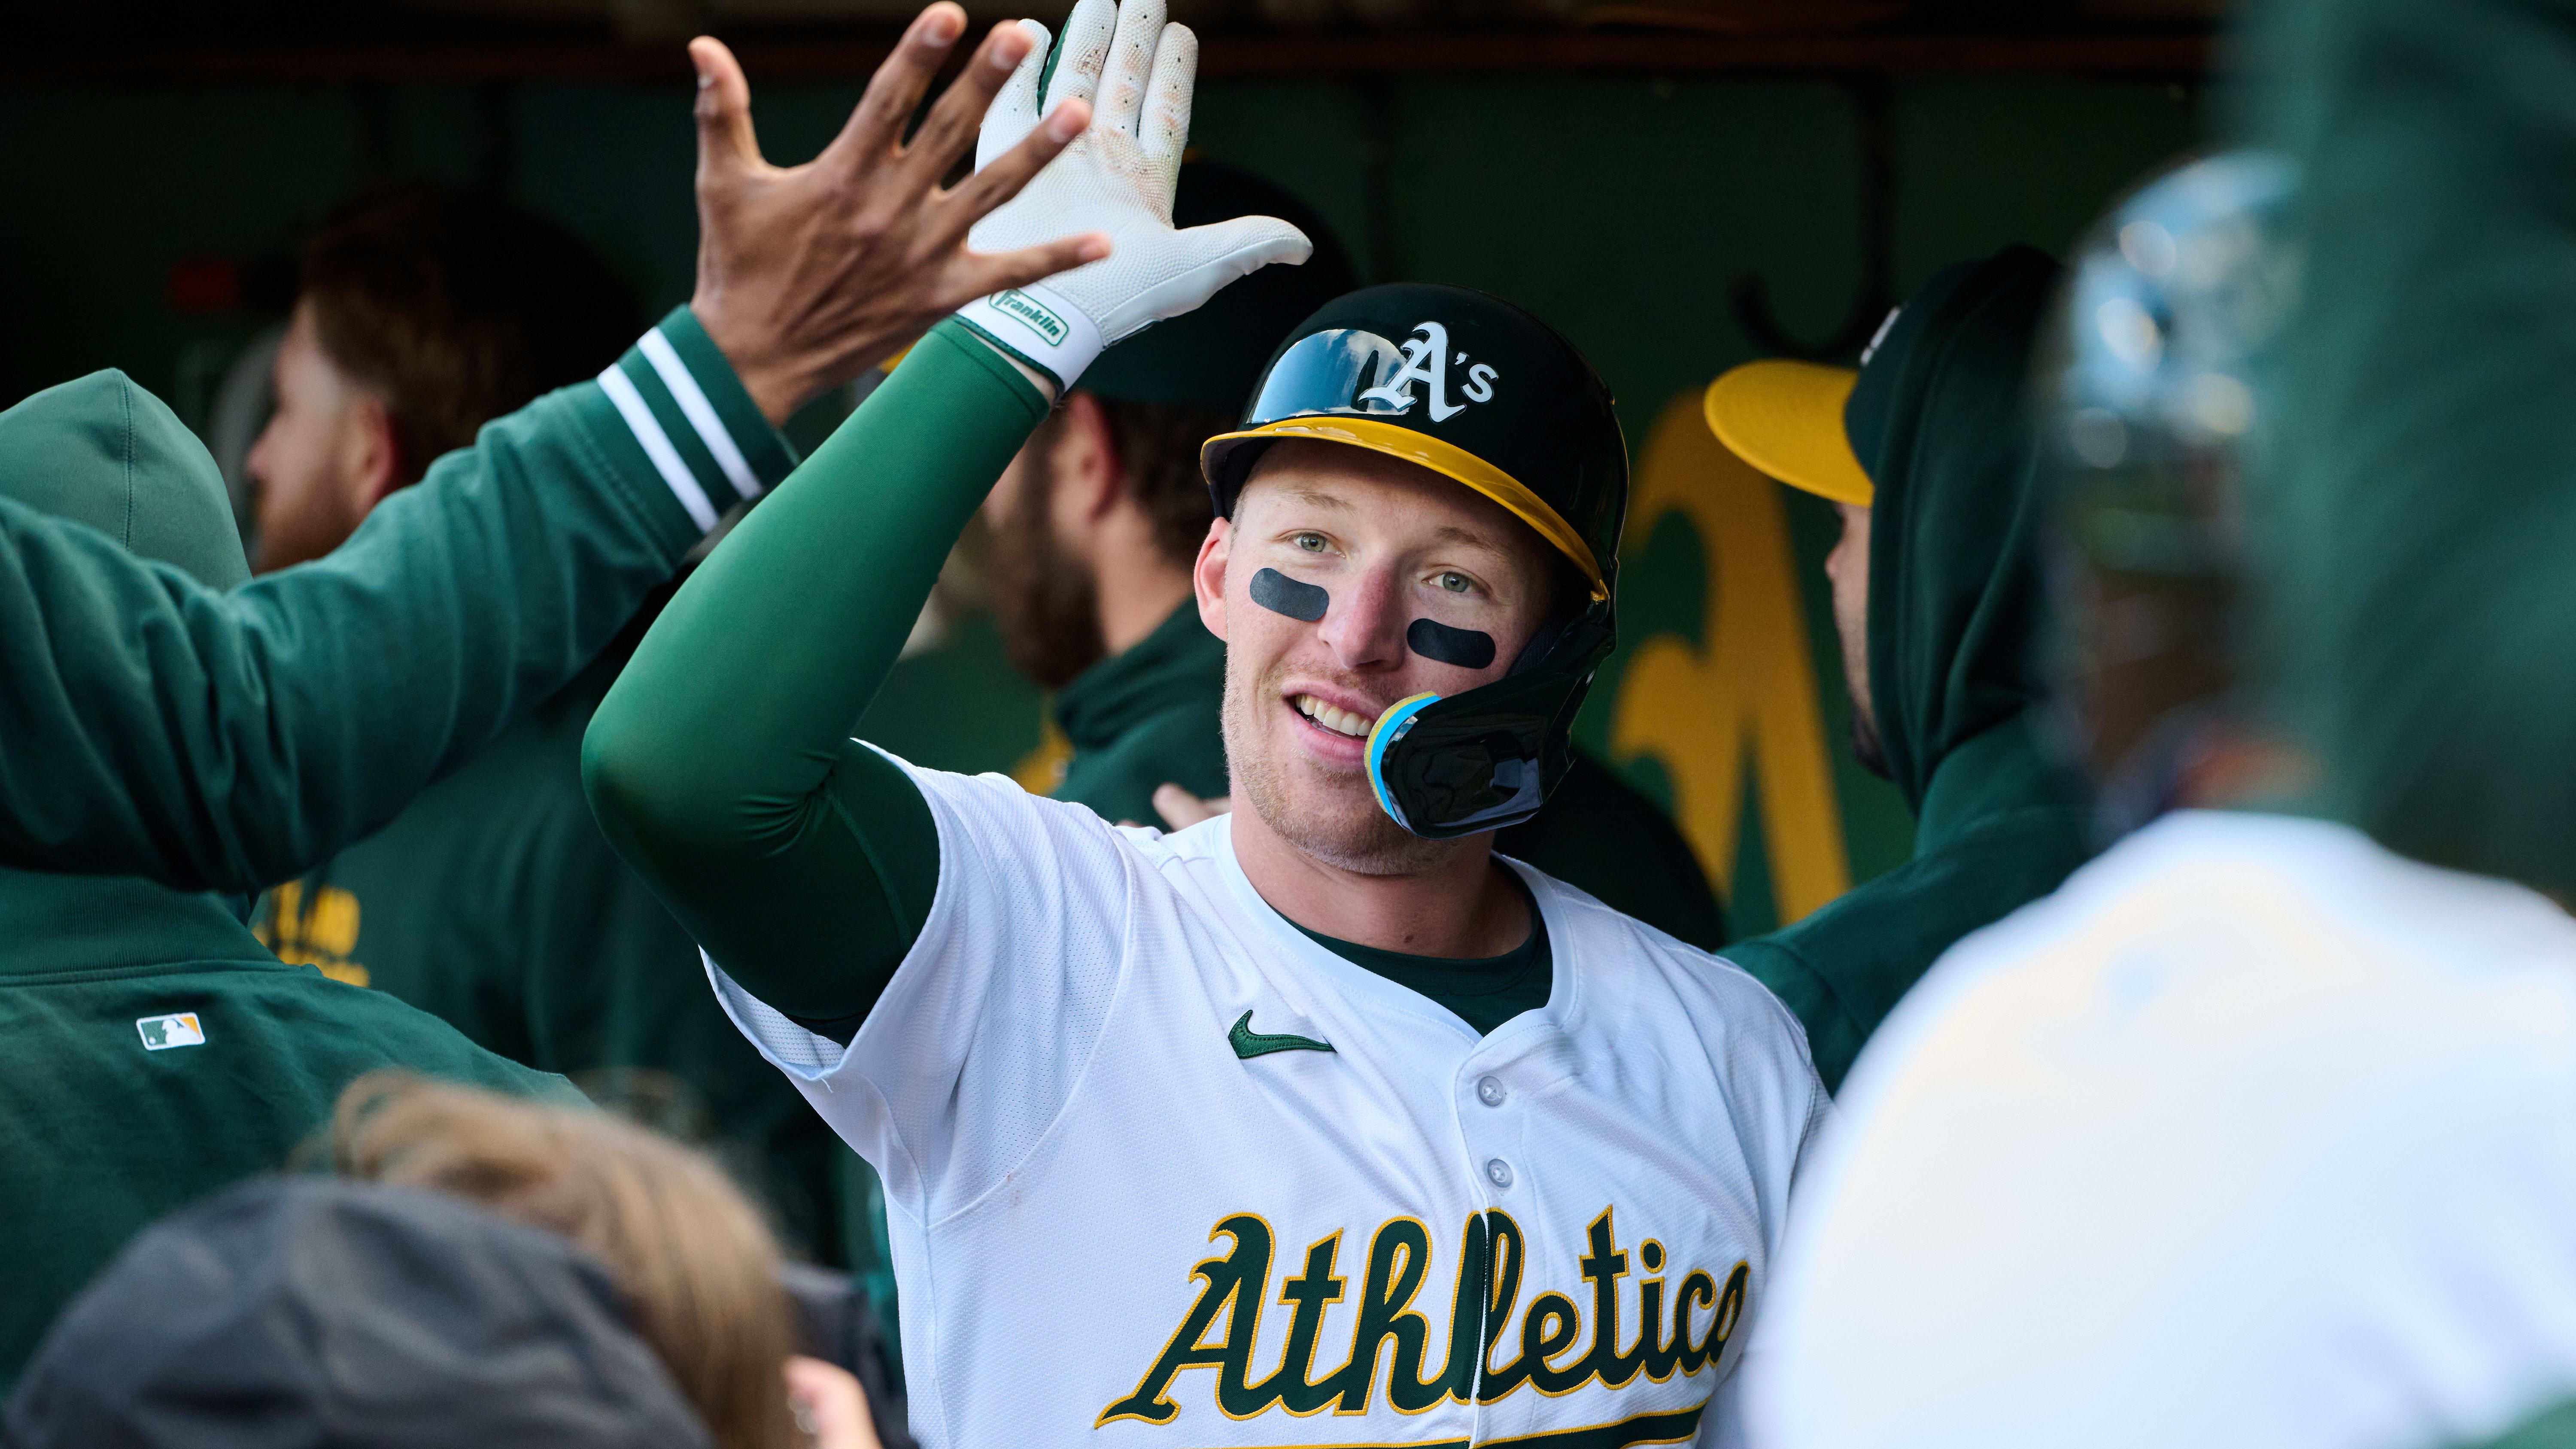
(1624, 210)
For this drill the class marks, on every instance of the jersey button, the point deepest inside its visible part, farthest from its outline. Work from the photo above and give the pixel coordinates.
(1489, 1090)
(1498, 1172)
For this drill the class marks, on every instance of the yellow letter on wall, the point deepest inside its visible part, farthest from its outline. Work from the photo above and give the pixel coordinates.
(1748, 695)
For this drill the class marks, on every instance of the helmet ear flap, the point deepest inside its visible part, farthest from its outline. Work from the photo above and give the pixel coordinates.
(1570, 599)
(1539, 643)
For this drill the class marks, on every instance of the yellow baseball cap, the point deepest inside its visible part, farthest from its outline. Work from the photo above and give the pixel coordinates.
(1786, 418)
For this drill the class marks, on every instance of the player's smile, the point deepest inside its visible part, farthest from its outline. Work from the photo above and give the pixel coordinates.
(1334, 724)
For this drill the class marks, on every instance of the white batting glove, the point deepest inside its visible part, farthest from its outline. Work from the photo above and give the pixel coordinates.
(1117, 177)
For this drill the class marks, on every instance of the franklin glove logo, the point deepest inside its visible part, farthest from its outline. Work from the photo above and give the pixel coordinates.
(1033, 314)
(1426, 360)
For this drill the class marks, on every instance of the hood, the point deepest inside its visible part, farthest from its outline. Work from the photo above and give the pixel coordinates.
(1941, 424)
(1179, 663)
(100, 450)
(318, 1313)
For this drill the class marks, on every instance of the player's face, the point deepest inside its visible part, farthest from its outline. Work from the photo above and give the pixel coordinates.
(308, 461)
(1046, 600)
(1366, 545)
(1847, 568)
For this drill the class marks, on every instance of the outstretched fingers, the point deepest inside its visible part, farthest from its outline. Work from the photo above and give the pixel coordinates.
(877, 123)
(1129, 63)
(951, 127)
(726, 142)
(1245, 244)
(1074, 73)
(1163, 131)
(981, 274)
(1015, 111)
(1001, 178)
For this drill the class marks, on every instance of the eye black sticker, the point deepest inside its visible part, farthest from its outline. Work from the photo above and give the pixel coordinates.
(1281, 594)
(1466, 648)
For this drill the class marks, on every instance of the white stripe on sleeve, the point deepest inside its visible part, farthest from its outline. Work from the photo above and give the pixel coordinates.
(657, 445)
(700, 413)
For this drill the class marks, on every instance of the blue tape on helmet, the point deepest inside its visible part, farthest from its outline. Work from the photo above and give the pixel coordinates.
(1389, 728)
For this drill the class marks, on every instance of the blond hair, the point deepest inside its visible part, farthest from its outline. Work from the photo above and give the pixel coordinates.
(692, 1254)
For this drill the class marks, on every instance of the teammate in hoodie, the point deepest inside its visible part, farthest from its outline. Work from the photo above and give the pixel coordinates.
(182, 738)
(1938, 598)
(2256, 1131)
(167, 719)
(492, 902)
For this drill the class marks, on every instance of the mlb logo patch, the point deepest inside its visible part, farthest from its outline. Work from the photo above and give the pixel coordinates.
(163, 1032)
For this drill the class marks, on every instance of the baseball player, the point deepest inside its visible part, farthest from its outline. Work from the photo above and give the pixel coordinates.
(1939, 605)
(1096, 524)
(2255, 1132)
(165, 716)
(1313, 1123)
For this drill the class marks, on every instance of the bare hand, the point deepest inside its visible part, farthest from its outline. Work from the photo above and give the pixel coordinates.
(1181, 809)
(830, 1406)
(809, 275)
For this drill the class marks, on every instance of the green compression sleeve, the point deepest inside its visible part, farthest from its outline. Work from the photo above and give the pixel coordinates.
(229, 740)
(721, 763)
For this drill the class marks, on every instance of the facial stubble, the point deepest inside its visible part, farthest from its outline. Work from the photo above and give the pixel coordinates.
(1345, 828)
(1046, 604)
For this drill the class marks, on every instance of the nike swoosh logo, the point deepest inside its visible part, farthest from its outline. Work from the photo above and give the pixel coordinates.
(1248, 1043)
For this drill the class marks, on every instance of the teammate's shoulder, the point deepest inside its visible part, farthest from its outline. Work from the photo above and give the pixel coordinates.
(300, 1015)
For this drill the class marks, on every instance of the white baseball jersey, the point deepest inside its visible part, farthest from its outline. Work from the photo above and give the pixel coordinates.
(2253, 1134)
(1162, 1171)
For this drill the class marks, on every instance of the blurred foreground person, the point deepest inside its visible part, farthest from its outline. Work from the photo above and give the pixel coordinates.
(1325, 1048)
(498, 1274)
(2255, 1133)
(492, 902)
(1939, 602)
(1099, 518)
(167, 719)
(698, 1266)
(423, 314)
(313, 1313)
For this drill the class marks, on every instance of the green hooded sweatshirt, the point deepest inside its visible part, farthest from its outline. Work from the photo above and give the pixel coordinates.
(1939, 421)
(495, 904)
(218, 739)
(2413, 527)
(156, 1050)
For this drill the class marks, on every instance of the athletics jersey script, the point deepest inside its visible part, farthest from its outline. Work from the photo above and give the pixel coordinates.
(1481, 1314)
(1161, 1171)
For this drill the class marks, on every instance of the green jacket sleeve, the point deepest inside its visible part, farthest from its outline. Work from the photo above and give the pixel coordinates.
(721, 763)
(226, 741)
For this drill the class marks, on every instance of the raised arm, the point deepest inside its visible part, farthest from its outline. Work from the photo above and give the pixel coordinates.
(231, 740)
(721, 762)
(226, 740)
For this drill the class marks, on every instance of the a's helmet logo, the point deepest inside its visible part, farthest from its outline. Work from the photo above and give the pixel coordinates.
(1426, 360)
